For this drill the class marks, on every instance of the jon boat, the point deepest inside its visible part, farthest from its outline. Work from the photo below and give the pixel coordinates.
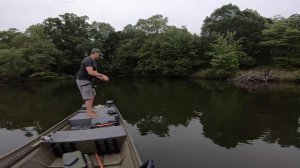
(79, 141)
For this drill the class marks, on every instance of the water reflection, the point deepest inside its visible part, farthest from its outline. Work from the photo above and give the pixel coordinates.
(37, 105)
(239, 117)
(154, 105)
(229, 116)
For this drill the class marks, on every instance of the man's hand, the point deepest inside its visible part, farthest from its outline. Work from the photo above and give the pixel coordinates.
(103, 77)
(96, 74)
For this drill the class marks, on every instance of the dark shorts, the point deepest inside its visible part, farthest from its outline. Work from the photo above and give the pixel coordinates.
(86, 90)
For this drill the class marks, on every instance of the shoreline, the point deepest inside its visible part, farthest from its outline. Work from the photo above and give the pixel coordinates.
(278, 76)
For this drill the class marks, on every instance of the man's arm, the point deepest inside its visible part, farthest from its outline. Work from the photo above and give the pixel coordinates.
(96, 74)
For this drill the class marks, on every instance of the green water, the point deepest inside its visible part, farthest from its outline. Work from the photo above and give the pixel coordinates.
(178, 123)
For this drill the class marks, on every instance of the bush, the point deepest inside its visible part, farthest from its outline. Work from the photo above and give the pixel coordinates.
(295, 62)
(13, 63)
(281, 61)
(246, 62)
(226, 53)
(212, 74)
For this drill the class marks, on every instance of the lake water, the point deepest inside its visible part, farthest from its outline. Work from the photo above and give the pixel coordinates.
(178, 123)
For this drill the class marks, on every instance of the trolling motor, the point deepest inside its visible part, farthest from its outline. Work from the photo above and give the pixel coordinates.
(148, 164)
(110, 103)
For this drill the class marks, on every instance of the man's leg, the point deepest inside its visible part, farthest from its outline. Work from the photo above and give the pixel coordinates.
(92, 102)
(94, 95)
(88, 94)
(89, 107)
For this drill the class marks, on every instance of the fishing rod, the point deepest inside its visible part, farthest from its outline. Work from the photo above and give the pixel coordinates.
(114, 77)
(96, 81)
(118, 76)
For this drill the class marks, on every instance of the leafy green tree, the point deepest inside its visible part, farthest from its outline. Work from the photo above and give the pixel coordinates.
(293, 34)
(42, 54)
(169, 54)
(19, 41)
(294, 21)
(282, 38)
(125, 56)
(226, 52)
(151, 46)
(247, 24)
(12, 63)
(30, 53)
(99, 31)
(104, 36)
(7, 38)
(129, 31)
(153, 25)
(70, 35)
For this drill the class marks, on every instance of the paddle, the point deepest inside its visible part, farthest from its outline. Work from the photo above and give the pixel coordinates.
(99, 161)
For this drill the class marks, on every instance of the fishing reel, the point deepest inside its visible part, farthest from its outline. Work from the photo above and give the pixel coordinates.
(93, 85)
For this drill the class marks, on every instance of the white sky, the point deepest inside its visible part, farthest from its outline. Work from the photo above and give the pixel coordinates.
(21, 14)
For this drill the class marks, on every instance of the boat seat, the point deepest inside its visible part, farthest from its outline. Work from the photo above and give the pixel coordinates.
(81, 119)
(86, 135)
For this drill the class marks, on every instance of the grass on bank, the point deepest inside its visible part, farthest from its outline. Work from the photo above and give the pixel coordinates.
(280, 75)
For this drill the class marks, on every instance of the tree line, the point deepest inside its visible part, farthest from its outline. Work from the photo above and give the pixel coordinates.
(230, 39)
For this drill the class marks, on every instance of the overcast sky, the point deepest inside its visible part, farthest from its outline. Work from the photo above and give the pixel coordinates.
(21, 14)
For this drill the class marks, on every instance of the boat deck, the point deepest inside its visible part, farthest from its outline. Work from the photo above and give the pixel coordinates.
(112, 160)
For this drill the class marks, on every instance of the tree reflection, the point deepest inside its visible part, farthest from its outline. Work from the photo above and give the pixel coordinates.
(237, 117)
(154, 105)
(153, 124)
(229, 115)
(36, 105)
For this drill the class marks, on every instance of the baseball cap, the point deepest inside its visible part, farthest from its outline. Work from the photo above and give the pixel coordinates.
(97, 50)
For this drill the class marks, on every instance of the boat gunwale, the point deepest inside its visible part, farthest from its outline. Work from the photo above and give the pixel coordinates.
(33, 144)
(132, 145)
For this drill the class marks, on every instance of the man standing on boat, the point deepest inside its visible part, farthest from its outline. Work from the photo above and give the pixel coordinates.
(85, 76)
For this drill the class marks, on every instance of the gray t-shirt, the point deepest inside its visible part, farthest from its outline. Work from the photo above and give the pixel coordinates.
(82, 73)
